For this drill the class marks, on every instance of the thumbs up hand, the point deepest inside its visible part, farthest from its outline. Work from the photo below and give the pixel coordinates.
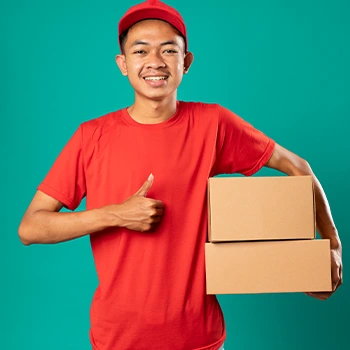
(138, 213)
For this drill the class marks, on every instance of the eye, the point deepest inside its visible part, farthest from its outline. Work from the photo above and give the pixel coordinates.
(170, 51)
(139, 52)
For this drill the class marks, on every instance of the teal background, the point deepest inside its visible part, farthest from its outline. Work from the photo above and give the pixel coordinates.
(281, 65)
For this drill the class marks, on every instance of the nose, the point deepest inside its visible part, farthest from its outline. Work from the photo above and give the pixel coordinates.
(155, 60)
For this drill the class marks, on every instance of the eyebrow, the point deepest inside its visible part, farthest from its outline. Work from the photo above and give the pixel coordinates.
(140, 42)
(169, 42)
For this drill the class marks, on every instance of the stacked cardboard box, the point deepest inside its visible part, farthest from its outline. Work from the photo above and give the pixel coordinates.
(262, 237)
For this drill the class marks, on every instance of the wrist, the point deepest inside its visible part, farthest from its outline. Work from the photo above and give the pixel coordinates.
(335, 243)
(331, 233)
(108, 216)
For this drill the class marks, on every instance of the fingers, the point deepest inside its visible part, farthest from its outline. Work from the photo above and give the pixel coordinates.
(336, 275)
(320, 295)
(150, 225)
(156, 219)
(157, 212)
(341, 272)
(157, 204)
(326, 295)
(155, 216)
(141, 213)
(338, 283)
(145, 187)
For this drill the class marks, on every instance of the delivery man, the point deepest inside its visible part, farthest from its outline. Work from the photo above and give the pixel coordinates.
(144, 170)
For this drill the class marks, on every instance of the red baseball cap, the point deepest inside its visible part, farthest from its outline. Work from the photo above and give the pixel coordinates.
(152, 9)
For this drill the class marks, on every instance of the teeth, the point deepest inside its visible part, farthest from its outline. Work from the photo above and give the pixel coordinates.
(155, 78)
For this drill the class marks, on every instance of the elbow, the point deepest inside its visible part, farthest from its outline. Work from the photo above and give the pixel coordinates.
(301, 168)
(288, 162)
(23, 234)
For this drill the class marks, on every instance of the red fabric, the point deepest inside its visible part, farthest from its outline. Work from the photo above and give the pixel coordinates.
(153, 9)
(151, 292)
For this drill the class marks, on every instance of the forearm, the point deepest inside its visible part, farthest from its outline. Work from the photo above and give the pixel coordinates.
(324, 221)
(291, 164)
(47, 227)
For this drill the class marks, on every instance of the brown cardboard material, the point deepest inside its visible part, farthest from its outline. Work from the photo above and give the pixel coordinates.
(261, 208)
(268, 267)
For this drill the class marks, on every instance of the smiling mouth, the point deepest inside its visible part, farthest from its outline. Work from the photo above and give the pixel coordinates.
(155, 78)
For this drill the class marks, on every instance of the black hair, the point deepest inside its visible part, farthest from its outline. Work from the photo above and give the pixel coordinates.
(122, 39)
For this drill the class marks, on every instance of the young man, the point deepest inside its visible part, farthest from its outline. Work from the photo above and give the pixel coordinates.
(144, 172)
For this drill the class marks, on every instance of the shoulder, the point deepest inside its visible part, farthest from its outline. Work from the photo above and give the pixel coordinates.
(94, 128)
(105, 121)
(210, 111)
(203, 107)
(200, 106)
(203, 111)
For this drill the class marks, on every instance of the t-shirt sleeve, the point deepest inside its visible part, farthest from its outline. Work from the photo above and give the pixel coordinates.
(65, 180)
(241, 148)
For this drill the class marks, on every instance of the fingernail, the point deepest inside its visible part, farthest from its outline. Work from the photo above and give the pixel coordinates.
(150, 177)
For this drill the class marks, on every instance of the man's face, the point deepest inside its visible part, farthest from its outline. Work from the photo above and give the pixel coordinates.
(154, 59)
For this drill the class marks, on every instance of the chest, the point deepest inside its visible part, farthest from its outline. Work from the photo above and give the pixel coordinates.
(123, 159)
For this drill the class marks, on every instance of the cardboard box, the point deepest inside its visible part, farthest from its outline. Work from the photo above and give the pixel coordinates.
(268, 267)
(261, 208)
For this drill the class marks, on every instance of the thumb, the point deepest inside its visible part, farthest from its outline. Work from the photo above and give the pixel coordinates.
(145, 187)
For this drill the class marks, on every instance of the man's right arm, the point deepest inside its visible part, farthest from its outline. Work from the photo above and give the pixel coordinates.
(44, 223)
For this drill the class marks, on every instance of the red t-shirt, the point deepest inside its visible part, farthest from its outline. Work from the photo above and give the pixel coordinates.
(151, 292)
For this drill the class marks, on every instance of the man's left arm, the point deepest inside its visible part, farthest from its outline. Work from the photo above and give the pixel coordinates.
(291, 164)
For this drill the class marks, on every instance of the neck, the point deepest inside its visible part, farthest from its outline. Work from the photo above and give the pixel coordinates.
(147, 111)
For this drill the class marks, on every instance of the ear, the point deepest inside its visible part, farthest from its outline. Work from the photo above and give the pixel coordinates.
(120, 60)
(188, 61)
